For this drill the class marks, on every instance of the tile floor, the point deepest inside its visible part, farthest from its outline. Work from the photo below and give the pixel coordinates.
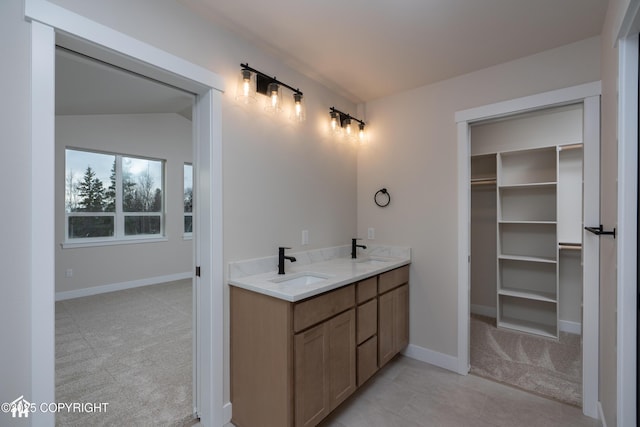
(409, 393)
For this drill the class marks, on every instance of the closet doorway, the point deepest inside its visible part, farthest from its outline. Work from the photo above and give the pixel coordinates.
(526, 251)
(529, 232)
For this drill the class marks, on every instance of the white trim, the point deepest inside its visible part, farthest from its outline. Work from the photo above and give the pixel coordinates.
(591, 257)
(484, 310)
(42, 226)
(432, 357)
(564, 325)
(601, 417)
(228, 412)
(124, 241)
(575, 94)
(112, 287)
(117, 48)
(528, 103)
(464, 246)
(626, 238)
(570, 327)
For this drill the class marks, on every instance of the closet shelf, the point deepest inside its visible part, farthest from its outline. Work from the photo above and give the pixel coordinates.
(528, 326)
(528, 185)
(504, 221)
(529, 294)
(570, 246)
(546, 260)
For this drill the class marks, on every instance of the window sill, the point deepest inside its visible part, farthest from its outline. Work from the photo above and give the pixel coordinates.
(187, 236)
(94, 243)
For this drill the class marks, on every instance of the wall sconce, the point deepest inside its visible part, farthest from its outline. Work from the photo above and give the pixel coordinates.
(341, 122)
(253, 81)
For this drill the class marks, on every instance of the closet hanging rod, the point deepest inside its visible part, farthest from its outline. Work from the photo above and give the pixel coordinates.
(569, 147)
(483, 181)
(570, 246)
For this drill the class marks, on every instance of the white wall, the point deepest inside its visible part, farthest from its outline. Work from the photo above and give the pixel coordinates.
(160, 136)
(412, 152)
(279, 178)
(15, 182)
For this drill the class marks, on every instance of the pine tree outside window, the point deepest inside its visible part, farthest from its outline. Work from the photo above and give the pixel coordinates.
(188, 199)
(112, 197)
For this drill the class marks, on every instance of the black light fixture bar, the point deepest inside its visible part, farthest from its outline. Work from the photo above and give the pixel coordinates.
(263, 80)
(344, 116)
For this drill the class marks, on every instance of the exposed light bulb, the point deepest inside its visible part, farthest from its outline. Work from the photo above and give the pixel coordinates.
(298, 109)
(245, 92)
(347, 126)
(361, 133)
(335, 122)
(273, 100)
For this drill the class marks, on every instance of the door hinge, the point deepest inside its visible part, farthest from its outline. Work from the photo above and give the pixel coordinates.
(198, 271)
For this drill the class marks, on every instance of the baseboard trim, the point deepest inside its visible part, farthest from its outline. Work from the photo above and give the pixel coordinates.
(603, 421)
(570, 327)
(565, 325)
(483, 310)
(95, 290)
(432, 357)
(226, 412)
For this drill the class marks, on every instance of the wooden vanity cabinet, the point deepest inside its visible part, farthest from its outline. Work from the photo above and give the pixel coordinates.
(294, 363)
(393, 313)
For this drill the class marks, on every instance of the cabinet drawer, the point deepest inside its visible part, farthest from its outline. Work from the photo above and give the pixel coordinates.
(367, 360)
(366, 289)
(367, 321)
(393, 279)
(317, 309)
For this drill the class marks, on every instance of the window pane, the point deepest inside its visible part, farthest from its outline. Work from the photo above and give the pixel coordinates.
(134, 225)
(188, 224)
(188, 188)
(90, 226)
(141, 185)
(89, 181)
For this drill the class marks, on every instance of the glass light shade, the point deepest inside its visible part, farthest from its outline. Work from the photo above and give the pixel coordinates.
(272, 104)
(298, 113)
(335, 122)
(348, 129)
(362, 136)
(246, 91)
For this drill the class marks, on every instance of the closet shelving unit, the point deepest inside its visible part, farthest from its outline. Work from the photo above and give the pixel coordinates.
(527, 241)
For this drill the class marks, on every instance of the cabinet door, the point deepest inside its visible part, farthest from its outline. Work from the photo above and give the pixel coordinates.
(401, 317)
(342, 357)
(386, 347)
(311, 376)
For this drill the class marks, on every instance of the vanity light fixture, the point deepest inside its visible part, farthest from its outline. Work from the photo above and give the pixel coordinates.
(341, 122)
(253, 81)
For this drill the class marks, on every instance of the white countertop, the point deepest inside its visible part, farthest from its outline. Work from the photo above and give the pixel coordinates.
(338, 272)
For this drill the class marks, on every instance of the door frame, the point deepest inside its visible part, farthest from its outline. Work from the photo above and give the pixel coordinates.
(48, 22)
(627, 216)
(589, 95)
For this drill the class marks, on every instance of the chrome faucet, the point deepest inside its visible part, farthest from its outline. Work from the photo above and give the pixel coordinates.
(354, 247)
(281, 258)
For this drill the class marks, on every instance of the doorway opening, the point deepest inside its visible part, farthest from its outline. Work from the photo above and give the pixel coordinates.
(124, 282)
(51, 25)
(526, 251)
(589, 96)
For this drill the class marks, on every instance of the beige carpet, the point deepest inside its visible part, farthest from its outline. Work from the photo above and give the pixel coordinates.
(131, 349)
(540, 365)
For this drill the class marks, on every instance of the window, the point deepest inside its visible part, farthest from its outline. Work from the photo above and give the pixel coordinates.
(112, 197)
(188, 199)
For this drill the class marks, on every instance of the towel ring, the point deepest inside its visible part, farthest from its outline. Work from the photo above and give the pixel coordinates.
(384, 192)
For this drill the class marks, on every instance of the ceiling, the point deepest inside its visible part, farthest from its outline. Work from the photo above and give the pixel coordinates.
(87, 86)
(367, 49)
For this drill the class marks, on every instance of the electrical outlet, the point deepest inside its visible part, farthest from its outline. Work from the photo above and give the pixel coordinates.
(371, 233)
(69, 272)
(305, 237)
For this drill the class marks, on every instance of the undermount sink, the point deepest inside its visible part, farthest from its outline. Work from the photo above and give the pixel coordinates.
(374, 261)
(303, 278)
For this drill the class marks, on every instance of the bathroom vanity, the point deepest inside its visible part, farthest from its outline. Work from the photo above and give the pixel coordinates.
(303, 342)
